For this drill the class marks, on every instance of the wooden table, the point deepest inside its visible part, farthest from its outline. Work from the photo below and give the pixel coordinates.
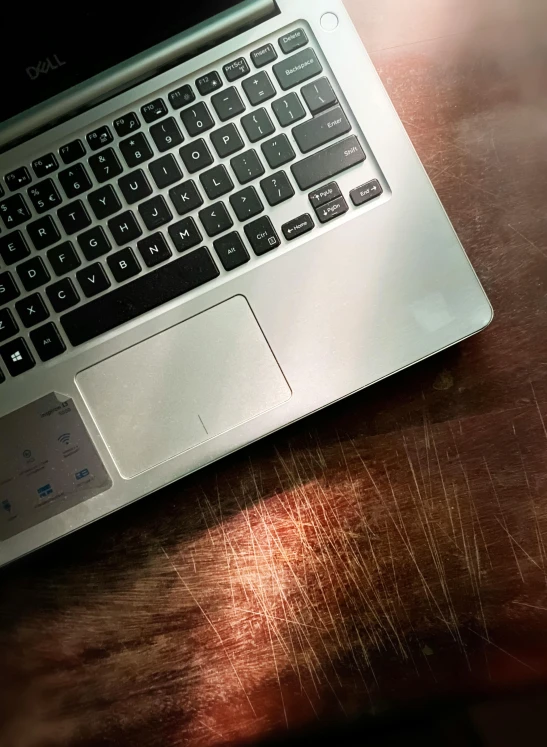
(385, 550)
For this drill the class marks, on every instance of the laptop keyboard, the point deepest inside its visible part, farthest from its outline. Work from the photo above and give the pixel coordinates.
(162, 200)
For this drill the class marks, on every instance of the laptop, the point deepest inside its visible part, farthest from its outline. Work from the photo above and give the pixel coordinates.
(212, 223)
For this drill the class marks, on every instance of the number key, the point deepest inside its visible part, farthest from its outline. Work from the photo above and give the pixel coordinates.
(14, 211)
(166, 134)
(136, 150)
(44, 196)
(74, 180)
(105, 165)
(197, 119)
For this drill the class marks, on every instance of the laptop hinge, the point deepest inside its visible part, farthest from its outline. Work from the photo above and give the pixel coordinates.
(135, 70)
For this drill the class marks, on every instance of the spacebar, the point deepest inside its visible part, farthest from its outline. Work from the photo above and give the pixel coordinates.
(141, 295)
(328, 163)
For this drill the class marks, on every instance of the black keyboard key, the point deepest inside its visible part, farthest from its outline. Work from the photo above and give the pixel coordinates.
(288, 109)
(1, 195)
(127, 124)
(182, 97)
(43, 232)
(196, 156)
(237, 69)
(227, 141)
(166, 134)
(247, 166)
(278, 151)
(104, 202)
(17, 357)
(327, 163)
(228, 104)
(231, 251)
(264, 55)
(47, 341)
(197, 119)
(93, 280)
(165, 171)
(332, 210)
(258, 125)
(321, 130)
(44, 196)
(63, 258)
(140, 296)
(324, 194)
(8, 288)
(18, 178)
(216, 182)
(13, 247)
(319, 96)
(277, 188)
(94, 243)
(208, 83)
(33, 273)
(297, 69)
(8, 325)
(2, 377)
(136, 150)
(259, 88)
(154, 110)
(155, 212)
(72, 151)
(45, 165)
(366, 192)
(298, 227)
(14, 211)
(293, 40)
(154, 249)
(135, 186)
(62, 295)
(124, 228)
(105, 165)
(75, 180)
(215, 219)
(185, 234)
(246, 204)
(185, 197)
(74, 217)
(32, 310)
(262, 236)
(99, 137)
(123, 265)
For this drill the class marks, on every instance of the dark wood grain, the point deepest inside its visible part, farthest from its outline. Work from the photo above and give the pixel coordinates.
(386, 550)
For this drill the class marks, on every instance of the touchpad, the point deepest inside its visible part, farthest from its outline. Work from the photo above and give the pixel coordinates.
(182, 387)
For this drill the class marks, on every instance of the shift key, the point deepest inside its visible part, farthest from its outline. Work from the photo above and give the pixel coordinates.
(328, 163)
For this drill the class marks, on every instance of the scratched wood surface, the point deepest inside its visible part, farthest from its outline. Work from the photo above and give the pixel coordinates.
(389, 549)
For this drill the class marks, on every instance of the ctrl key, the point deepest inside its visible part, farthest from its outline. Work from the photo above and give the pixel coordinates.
(262, 236)
(17, 356)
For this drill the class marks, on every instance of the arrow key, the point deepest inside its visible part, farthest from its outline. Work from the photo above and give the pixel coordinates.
(366, 192)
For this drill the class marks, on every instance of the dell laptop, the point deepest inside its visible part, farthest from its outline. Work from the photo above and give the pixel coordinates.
(212, 223)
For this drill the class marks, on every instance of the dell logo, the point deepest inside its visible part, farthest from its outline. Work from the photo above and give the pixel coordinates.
(44, 66)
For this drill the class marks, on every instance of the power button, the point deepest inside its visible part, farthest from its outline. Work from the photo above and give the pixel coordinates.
(329, 22)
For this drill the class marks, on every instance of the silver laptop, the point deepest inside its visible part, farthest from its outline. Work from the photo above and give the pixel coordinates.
(203, 238)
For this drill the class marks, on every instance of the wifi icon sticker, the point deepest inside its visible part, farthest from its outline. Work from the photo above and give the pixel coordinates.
(64, 439)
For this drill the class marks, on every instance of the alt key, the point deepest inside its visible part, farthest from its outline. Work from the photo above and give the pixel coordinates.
(47, 341)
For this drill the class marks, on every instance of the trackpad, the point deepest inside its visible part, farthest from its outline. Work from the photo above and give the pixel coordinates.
(183, 387)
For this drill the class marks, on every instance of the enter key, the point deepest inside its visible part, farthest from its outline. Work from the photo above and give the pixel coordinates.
(321, 129)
